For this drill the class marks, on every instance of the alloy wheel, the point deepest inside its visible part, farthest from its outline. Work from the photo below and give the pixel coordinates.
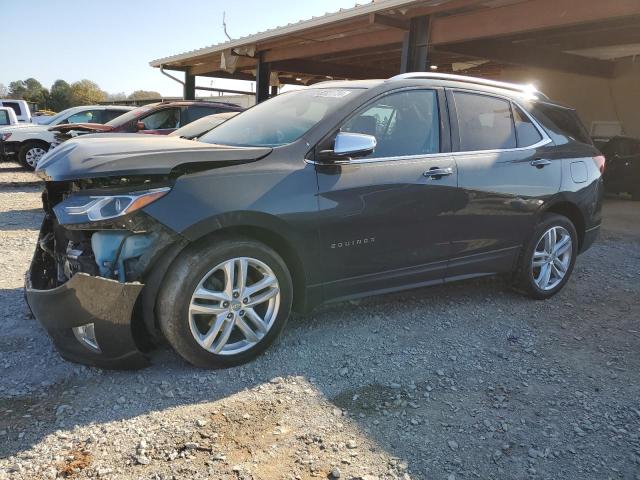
(33, 155)
(552, 258)
(234, 306)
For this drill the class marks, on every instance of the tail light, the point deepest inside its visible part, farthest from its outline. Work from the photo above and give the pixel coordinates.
(600, 162)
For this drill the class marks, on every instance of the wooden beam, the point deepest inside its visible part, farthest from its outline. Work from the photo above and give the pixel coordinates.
(534, 15)
(310, 67)
(378, 19)
(353, 42)
(506, 52)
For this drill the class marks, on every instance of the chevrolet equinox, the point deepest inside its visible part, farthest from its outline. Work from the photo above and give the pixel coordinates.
(341, 190)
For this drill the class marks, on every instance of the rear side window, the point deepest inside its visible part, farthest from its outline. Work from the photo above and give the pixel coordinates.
(562, 120)
(484, 122)
(14, 105)
(4, 117)
(526, 132)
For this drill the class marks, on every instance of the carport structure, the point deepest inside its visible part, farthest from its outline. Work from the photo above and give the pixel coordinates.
(586, 39)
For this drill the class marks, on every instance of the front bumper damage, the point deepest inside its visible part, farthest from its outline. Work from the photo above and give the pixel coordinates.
(107, 304)
(74, 286)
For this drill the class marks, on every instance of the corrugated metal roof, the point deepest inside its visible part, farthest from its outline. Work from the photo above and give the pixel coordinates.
(340, 15)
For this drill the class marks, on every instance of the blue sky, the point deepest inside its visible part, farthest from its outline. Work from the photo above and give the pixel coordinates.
(111, 42)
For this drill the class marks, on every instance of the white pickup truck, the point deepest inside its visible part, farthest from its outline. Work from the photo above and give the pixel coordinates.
(29, 141)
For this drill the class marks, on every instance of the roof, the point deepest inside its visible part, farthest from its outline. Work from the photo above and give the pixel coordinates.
(291, 28)
(476, 37)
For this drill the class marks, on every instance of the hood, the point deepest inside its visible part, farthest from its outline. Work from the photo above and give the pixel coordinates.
(24, 127)
(84, 127)
(123, 154)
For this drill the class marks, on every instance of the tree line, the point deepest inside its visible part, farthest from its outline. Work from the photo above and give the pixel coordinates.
(63, 95)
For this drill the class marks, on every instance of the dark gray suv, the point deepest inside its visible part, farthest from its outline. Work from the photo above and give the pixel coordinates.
(342, 190)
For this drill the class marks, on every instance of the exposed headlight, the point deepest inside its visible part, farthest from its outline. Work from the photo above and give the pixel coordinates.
(94, 208)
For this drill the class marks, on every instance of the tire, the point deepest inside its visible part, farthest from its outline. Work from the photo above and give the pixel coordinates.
(529, 278)
(204, 267)
(30, 152)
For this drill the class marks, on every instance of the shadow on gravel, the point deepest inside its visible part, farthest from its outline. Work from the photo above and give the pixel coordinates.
(24, 219)
(464, 379)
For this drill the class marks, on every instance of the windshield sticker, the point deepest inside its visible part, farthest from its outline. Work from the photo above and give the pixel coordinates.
(332, 93)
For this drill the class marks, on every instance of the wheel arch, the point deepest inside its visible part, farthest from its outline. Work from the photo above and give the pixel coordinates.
(573, 213)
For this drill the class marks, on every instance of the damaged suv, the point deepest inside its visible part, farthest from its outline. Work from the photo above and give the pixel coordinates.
(337, 191)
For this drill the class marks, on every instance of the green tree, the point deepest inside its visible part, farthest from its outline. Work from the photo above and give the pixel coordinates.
(60, 95)
(30, 90)
(145, 95)
(4, 91)
(86, 92)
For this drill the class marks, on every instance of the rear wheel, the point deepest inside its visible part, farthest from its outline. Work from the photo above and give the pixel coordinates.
(31, 152)
(548, 260)
(223, 305)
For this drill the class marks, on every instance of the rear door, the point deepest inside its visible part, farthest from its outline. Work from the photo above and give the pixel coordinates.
(504, 172)
(384, 217)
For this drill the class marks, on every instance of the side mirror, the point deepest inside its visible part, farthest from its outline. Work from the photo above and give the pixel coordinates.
(140, 126)
(353, 145)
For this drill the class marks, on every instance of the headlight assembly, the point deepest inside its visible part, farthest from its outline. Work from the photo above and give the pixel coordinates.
(94, 208)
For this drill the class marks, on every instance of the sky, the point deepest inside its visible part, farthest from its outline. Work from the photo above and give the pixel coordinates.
(113, 42)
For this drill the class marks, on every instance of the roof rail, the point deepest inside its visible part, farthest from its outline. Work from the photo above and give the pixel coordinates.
(526, 89)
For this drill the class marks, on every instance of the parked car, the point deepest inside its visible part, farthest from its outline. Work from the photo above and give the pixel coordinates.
(20, 107)
(156, 118)
(30, 141)
(623, 166)
(201, 126)
(341, 190)
(42, 116)
(7, 117)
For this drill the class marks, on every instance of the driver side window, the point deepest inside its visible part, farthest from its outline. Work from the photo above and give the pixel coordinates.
(404, 124)
(166, 118)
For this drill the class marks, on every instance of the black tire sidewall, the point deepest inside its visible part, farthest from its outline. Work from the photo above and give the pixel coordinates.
(182, 279)
(526, 268)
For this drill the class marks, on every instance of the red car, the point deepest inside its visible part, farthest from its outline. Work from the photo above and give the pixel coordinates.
(156, 118)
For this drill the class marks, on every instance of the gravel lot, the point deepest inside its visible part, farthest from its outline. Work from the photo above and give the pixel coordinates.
(463, 381)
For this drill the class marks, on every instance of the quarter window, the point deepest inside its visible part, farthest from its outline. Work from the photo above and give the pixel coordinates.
(484, 122)
(404, 123)
(526, 132)
(4, 117)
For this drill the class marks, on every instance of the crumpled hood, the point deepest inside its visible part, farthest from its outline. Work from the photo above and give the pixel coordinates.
(122, 154)
(84, 127)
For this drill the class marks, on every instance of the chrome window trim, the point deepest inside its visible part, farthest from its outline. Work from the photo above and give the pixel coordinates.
(545, 140)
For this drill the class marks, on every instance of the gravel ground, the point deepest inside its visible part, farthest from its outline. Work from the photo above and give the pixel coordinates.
(463, 381)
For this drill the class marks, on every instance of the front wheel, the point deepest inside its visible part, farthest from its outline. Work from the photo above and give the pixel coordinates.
(223, 304)
(31, 153)
(548, 260)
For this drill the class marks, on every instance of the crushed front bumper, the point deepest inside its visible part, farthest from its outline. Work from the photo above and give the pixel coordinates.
(82, 300)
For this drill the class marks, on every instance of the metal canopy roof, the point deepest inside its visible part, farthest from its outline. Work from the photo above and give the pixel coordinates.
(477, 37)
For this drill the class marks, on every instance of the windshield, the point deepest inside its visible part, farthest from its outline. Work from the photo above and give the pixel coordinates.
(130, 115)
(57, 118)
(281, 120)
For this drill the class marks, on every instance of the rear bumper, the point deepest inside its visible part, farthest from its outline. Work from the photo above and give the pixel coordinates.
(590, 237)
(85, 299)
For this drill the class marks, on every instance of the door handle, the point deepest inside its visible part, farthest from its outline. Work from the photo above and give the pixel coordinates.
(437, 173)
(540, 162)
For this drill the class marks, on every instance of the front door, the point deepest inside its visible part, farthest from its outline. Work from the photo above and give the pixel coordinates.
(383, 217)
(504, 176)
